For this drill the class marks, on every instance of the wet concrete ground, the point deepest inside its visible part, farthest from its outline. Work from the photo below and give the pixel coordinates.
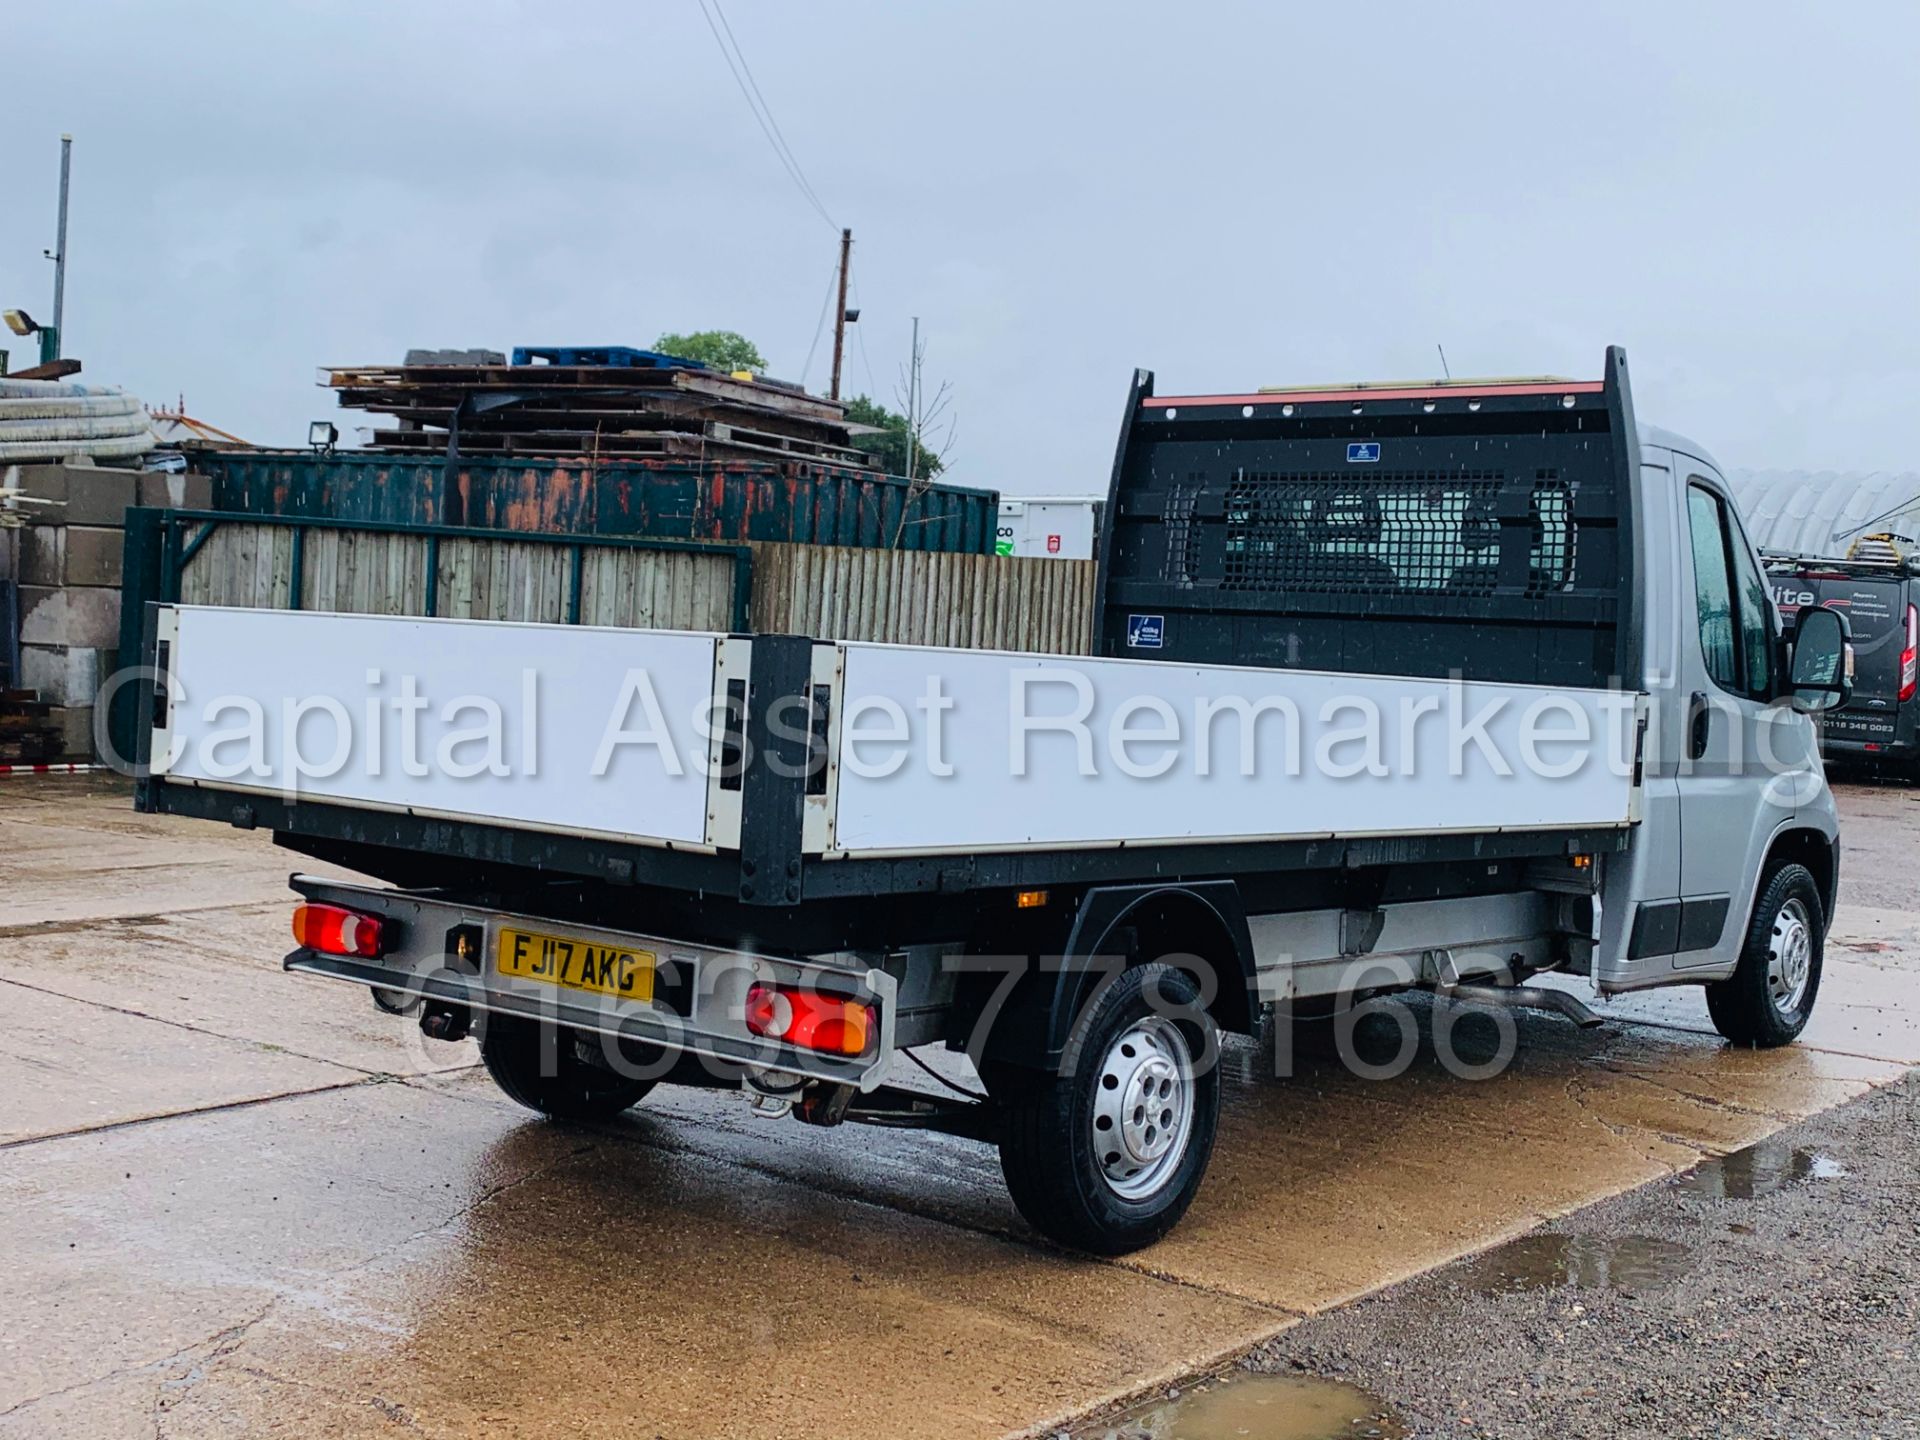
(241, 1202)
(1777, 1298)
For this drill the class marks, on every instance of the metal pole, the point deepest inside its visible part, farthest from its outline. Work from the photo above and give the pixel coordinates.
(913, 400)
(60, 253)
(840, 315)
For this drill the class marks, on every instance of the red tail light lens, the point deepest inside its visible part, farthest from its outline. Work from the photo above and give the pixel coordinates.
(1910, 656)
(813, 1022)
(334, 931)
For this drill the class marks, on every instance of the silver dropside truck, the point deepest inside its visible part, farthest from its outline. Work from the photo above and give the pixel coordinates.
(774, 863)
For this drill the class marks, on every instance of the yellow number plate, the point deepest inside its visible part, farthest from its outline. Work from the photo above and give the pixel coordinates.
(576, 964)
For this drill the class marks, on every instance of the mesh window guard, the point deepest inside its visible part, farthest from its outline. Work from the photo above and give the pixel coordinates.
(1550, 561)
(1183, 536)
(1324, 532)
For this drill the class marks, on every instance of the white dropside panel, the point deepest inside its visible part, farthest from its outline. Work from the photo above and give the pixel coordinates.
(539, 702)
(981, 780)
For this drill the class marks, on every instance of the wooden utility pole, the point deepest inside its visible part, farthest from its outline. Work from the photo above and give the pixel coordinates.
(840, 312)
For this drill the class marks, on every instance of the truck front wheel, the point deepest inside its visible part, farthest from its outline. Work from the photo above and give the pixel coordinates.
(1107, 1155)
(1768, 999)
(540, 1066)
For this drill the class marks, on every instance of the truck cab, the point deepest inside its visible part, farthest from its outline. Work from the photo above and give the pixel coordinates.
(1733, 780)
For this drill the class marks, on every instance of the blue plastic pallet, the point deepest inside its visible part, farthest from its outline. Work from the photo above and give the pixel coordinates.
(620, 357)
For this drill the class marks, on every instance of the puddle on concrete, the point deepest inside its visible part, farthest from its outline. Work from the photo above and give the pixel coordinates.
(1258, 1407)
(1758, 1170)
(1629, 1263)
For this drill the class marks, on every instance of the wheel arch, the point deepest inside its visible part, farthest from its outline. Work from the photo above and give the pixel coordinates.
(1200, 928)
(1819, 852)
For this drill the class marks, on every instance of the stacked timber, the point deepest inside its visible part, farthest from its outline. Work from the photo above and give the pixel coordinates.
(653, 406)
(29, 733)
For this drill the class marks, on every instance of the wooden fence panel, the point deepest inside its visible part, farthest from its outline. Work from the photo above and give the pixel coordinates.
(377, 572)
(916, 597)
(912, 597)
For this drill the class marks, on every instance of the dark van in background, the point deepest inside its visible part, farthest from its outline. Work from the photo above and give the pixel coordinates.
(1876, 588)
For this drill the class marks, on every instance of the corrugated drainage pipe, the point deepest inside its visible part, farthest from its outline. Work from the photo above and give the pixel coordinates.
(53, 420)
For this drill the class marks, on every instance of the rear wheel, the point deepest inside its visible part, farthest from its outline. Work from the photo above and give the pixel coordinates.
(541, 1067)
(1767, 1001)
(1107, 1156)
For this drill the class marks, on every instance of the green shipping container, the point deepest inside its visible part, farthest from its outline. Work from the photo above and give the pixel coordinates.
(660, 499)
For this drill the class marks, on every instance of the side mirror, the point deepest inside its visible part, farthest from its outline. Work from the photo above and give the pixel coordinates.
(1821, 676)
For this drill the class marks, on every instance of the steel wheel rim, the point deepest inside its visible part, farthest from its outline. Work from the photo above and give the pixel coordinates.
(1143, 1102)
(1790, 958)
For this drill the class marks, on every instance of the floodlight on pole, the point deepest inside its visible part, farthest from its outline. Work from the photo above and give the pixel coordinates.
(23, 324)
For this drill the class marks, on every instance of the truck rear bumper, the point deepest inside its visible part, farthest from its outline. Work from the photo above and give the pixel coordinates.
(447, 952)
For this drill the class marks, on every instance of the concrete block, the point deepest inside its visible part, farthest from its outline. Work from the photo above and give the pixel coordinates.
(86, 494)
(94, 555)
(87, 615)
(71, 555)
(76, 730)
(65, 674)
(176, 491)
(42, 554)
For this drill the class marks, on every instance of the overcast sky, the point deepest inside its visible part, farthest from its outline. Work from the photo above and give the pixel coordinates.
(1231, 195)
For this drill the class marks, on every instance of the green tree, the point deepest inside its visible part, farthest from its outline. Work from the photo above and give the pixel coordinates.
(889, 447)
(722, 349)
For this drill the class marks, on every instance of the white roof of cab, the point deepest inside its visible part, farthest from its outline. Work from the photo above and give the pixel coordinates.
(1652, 436)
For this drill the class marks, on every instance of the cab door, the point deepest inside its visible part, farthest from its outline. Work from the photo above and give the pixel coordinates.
(1730, 737)
(1641, 913)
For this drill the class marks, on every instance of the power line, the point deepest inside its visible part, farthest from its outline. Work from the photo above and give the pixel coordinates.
(756, 103)
(767, 110)
(833, 279)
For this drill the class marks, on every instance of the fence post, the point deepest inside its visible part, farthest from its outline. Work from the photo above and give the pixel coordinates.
(743, 590)
(297, 567)
(142, 582)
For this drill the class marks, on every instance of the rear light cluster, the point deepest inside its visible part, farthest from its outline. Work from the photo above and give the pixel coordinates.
(335, 931)
(1910, 655)
(811, 1021)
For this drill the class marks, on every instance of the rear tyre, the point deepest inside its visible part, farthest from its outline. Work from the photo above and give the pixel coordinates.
(1767, 1001)
(540, 1066)
(1107, 1156)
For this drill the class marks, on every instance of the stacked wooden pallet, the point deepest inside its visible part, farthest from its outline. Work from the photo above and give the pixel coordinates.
(595, 410)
